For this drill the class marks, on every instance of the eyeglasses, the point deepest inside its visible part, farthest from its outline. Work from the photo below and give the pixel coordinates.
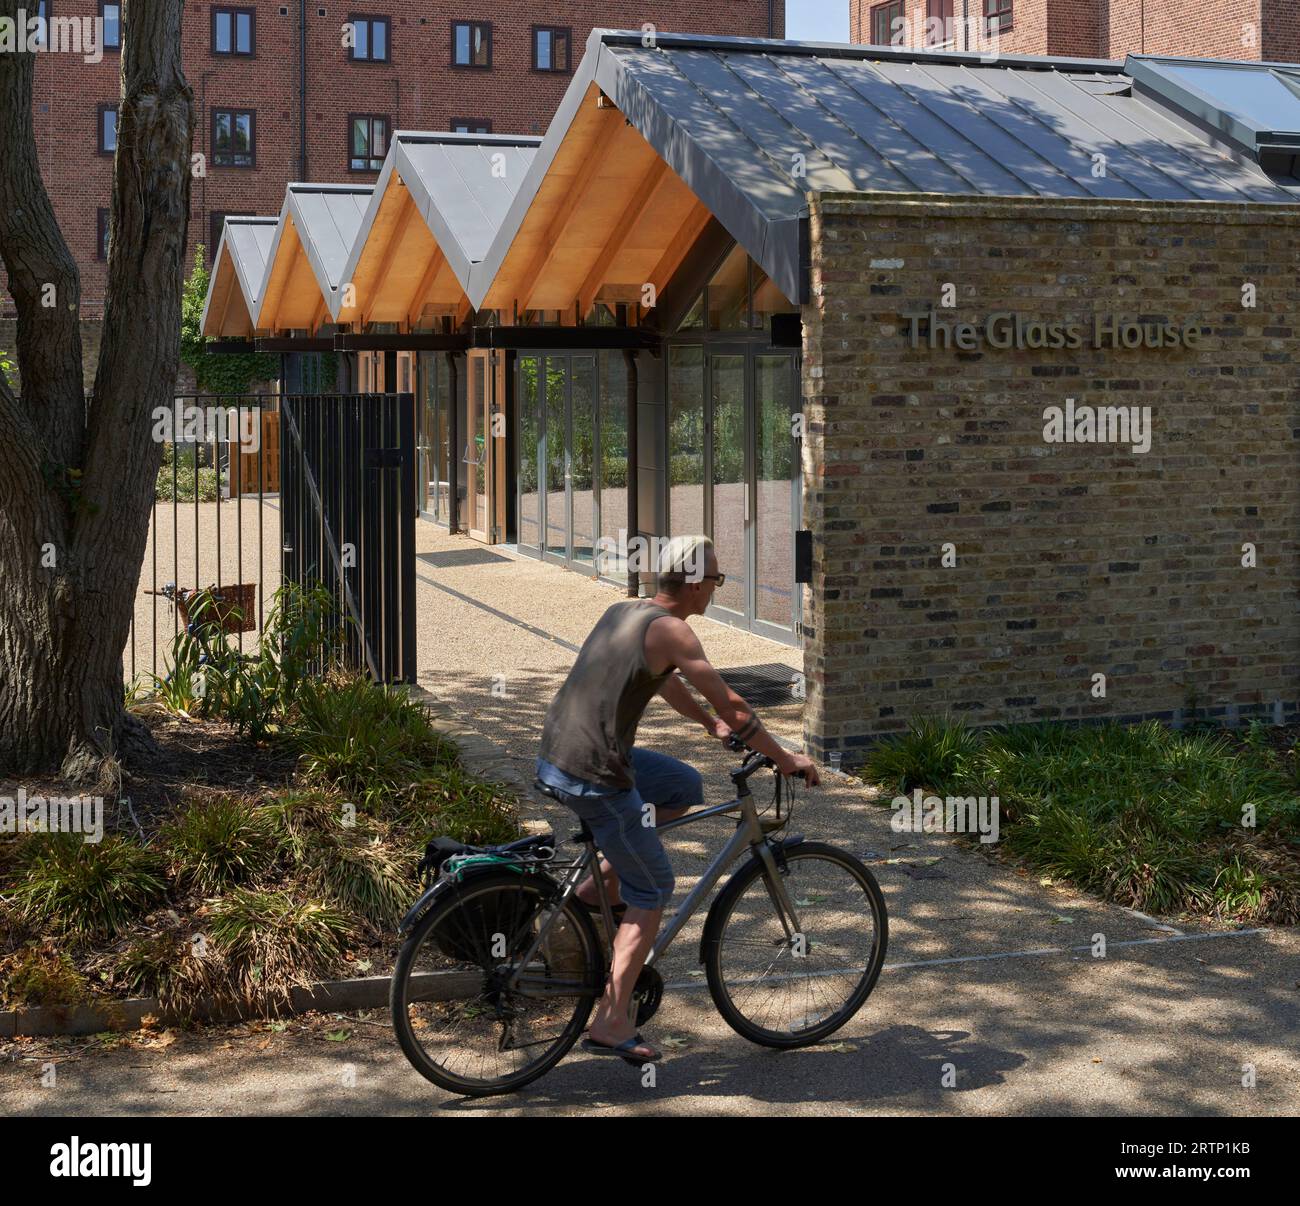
(721, 578)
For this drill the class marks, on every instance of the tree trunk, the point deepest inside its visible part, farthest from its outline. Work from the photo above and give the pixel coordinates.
(77, 478)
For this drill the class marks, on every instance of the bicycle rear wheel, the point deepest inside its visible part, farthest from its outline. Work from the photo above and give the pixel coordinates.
(455, 1017)
(784, 992)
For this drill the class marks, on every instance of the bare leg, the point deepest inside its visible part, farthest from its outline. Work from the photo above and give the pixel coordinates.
(586, 890)
(613, 1022)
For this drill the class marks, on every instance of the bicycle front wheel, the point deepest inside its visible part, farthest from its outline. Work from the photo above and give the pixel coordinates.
(782, 987)
(457, 1018)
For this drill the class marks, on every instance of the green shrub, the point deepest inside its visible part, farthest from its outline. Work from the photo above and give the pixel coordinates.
(176, 477)
(452, 803)
(932, 753)
(218, 843)
(87, 889)
(37, 974)
(370, 742)
(271, 942)
(360, 873)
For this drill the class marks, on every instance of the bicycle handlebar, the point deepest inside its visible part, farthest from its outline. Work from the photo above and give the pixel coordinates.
(761, 760)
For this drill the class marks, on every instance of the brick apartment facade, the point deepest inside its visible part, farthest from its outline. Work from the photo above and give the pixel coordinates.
(1108, 29)
(412, 86)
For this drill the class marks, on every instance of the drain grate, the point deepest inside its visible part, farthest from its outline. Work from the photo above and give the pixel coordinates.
(763, 686)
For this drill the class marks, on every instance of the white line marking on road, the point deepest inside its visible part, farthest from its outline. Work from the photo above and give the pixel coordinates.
(1047, 950)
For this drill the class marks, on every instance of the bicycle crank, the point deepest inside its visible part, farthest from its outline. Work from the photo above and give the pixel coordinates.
(647, 994)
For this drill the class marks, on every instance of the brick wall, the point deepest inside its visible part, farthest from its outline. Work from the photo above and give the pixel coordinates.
(1224, 29)
(1231, 29)
(417, 89)
(1071, 559)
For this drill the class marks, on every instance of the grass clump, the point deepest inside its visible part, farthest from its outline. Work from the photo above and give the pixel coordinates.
(454, 804)
(361, 873)
(1157, 819)
(271, 942)
(218, 843)
(370, 742)
(87, 890)
(37, 974)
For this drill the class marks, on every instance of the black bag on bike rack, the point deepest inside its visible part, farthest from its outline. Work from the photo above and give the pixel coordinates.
(470, 934)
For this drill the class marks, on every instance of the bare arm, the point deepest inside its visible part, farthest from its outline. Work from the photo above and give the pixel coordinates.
(670, 641)
(678, 694)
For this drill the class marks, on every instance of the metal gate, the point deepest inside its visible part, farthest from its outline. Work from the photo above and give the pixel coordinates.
(347, 489)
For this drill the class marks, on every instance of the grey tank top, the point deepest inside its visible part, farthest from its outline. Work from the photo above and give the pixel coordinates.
(591, 723)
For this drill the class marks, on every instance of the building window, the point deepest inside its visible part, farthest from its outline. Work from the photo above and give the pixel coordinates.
(938, 22)
(41, 40)
(368, 142)
(369, 39)
(551, 48)
(234, 31)
(883, 28)
(997, 16)
(111, 16)
(234, 138)
(471, 125)
(106, 121)
(471, 44)
(101, 234)
(216, 224)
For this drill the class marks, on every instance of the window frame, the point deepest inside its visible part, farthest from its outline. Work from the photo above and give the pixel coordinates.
(471, 26)
(47, 5)
(896, 7)
(101, 146)
(947, 14)
(102, 216)
(371, 19)
(105, 45)
(252, 137)
(234, 11)
(1005, 9)
(388, 140)
(567, 31)
(453, 122)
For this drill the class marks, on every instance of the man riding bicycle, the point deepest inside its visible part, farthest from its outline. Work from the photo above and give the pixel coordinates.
(587, 755)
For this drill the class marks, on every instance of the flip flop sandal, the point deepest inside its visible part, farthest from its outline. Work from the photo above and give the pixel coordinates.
(622, 1051)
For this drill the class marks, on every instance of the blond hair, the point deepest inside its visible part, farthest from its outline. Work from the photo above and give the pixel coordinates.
(683, 559)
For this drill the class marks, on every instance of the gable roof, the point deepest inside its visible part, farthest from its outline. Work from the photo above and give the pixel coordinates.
(317, 228)
(752, 126)
(238, 268)
(460, 186)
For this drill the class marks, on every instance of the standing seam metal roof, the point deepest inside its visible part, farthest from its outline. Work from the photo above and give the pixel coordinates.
(753, 126)
(248, 240)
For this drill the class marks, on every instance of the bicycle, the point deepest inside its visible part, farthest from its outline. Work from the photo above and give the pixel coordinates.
(502, 962)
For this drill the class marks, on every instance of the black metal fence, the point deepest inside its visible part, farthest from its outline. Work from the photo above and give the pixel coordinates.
(259, 489)
(215, 523)
(348, 497)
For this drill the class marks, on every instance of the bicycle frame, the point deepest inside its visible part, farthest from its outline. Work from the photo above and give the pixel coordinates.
(749, 833)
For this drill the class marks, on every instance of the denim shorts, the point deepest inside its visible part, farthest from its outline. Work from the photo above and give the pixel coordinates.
(615, 818)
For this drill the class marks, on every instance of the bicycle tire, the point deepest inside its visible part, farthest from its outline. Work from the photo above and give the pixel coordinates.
(714, 941)
(427, 929)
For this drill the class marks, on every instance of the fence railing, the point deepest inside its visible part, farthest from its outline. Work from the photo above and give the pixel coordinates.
(215, 524)
(348, 482)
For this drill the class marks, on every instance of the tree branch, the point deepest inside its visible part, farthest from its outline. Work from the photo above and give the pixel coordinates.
(43, 277)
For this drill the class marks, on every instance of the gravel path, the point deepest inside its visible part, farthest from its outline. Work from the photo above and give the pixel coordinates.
(991, 1002)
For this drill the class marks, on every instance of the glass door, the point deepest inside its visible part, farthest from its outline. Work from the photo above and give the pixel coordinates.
(754, 488)
(727, 497)
(778, 494)
(478, 451)
(528, 492)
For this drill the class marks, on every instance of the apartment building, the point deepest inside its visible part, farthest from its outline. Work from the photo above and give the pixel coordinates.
(1259, 30)
(314, 91)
